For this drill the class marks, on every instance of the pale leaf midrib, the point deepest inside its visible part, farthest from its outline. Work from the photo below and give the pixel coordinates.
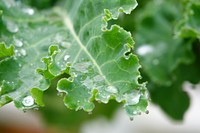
(69, 25)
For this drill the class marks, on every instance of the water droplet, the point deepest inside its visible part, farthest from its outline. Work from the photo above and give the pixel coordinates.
(135, 112)
(82, 67)
(103, 28)
(147, 111)
(17, 42)
(112, 89)
(65, 44)
(88, 83)
(28, 11)
(132, 98)
(12, 27)
(74, 74)
(66, 57)
(131, 118)
(28, 101)
(78, 101)
(144, 49)
(23, 52)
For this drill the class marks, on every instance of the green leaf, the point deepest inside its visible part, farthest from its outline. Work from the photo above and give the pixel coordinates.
(72, 39)
(174, 101)
(160, 52)
(189, 25)
(6, 51)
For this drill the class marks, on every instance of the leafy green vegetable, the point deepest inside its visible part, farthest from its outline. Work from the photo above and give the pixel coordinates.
(165, 55)
(73, 39)
(189, 26)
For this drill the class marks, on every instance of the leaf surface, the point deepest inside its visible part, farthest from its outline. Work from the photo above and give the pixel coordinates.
(71, 38)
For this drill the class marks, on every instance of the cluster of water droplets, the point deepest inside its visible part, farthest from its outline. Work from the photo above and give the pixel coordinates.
(19, 50)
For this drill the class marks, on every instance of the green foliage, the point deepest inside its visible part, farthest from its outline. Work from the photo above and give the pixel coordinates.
(167, 43)
(72, 39)
(82, 46)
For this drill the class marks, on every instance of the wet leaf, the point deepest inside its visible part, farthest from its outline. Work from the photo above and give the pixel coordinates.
(71, 38)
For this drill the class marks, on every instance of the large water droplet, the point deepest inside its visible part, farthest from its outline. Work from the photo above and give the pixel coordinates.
(28, 11)
(12, 27)
(28, 101)
(66, 57)
(17, 42)
(112, 89)
(132, 98)
(144, 49)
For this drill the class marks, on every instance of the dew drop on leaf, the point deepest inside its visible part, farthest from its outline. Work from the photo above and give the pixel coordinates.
(112, 89)
(131, 118)
(66, 57)
(147, 111)
(12, 27)
(132, 98)
(23, 52)
(65, 44)
(18, 43)
(28, 101)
